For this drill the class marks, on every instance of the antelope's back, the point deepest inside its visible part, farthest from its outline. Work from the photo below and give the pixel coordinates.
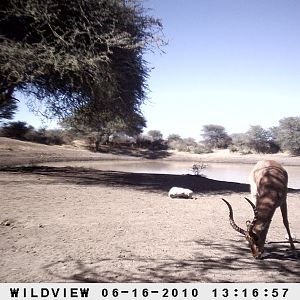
(269, 179)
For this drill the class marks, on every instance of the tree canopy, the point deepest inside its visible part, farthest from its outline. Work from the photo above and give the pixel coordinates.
(287, 134)
(215, 136)
(8, 108)
(77, 56)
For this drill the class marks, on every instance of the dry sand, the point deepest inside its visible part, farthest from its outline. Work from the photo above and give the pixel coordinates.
(83, 225)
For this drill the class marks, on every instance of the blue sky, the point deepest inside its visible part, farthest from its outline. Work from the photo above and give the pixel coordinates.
(230, 62)
(234, 63)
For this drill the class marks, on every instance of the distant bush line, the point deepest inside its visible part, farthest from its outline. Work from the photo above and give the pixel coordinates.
(25, 132)
(283, 138)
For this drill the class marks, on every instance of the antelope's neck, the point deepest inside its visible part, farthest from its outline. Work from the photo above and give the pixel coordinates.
(266, 207)
(261, 226)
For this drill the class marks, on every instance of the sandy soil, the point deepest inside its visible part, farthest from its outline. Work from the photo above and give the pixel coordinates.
(62, 224)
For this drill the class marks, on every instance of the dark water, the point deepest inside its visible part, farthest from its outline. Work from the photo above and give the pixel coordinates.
(219, 171)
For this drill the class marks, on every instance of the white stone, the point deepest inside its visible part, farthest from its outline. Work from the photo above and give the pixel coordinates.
(178, 192)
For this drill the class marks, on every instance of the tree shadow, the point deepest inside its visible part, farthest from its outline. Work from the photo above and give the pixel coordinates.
(139, 181)
(280, 251)
(212, 261)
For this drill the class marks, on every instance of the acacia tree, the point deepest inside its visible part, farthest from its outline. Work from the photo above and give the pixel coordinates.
(287, 134)
(215, 136)
(256, 139)
(77, 56)
(260, 140)
(155, 135)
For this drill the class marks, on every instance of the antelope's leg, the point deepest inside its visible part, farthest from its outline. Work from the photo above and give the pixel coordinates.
(283, 208)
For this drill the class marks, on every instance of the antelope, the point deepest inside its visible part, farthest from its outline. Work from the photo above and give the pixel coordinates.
(268, 185)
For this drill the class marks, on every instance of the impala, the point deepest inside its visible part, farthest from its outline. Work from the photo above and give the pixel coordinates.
(268, 184)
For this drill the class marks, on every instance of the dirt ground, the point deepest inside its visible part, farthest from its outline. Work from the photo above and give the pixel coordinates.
(62, 224)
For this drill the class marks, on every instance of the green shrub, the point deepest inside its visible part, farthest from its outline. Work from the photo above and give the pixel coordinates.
(256, 139)
(23, 131)
(202, 149)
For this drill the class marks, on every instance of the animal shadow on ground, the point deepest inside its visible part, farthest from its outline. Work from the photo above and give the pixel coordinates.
(212, 261)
